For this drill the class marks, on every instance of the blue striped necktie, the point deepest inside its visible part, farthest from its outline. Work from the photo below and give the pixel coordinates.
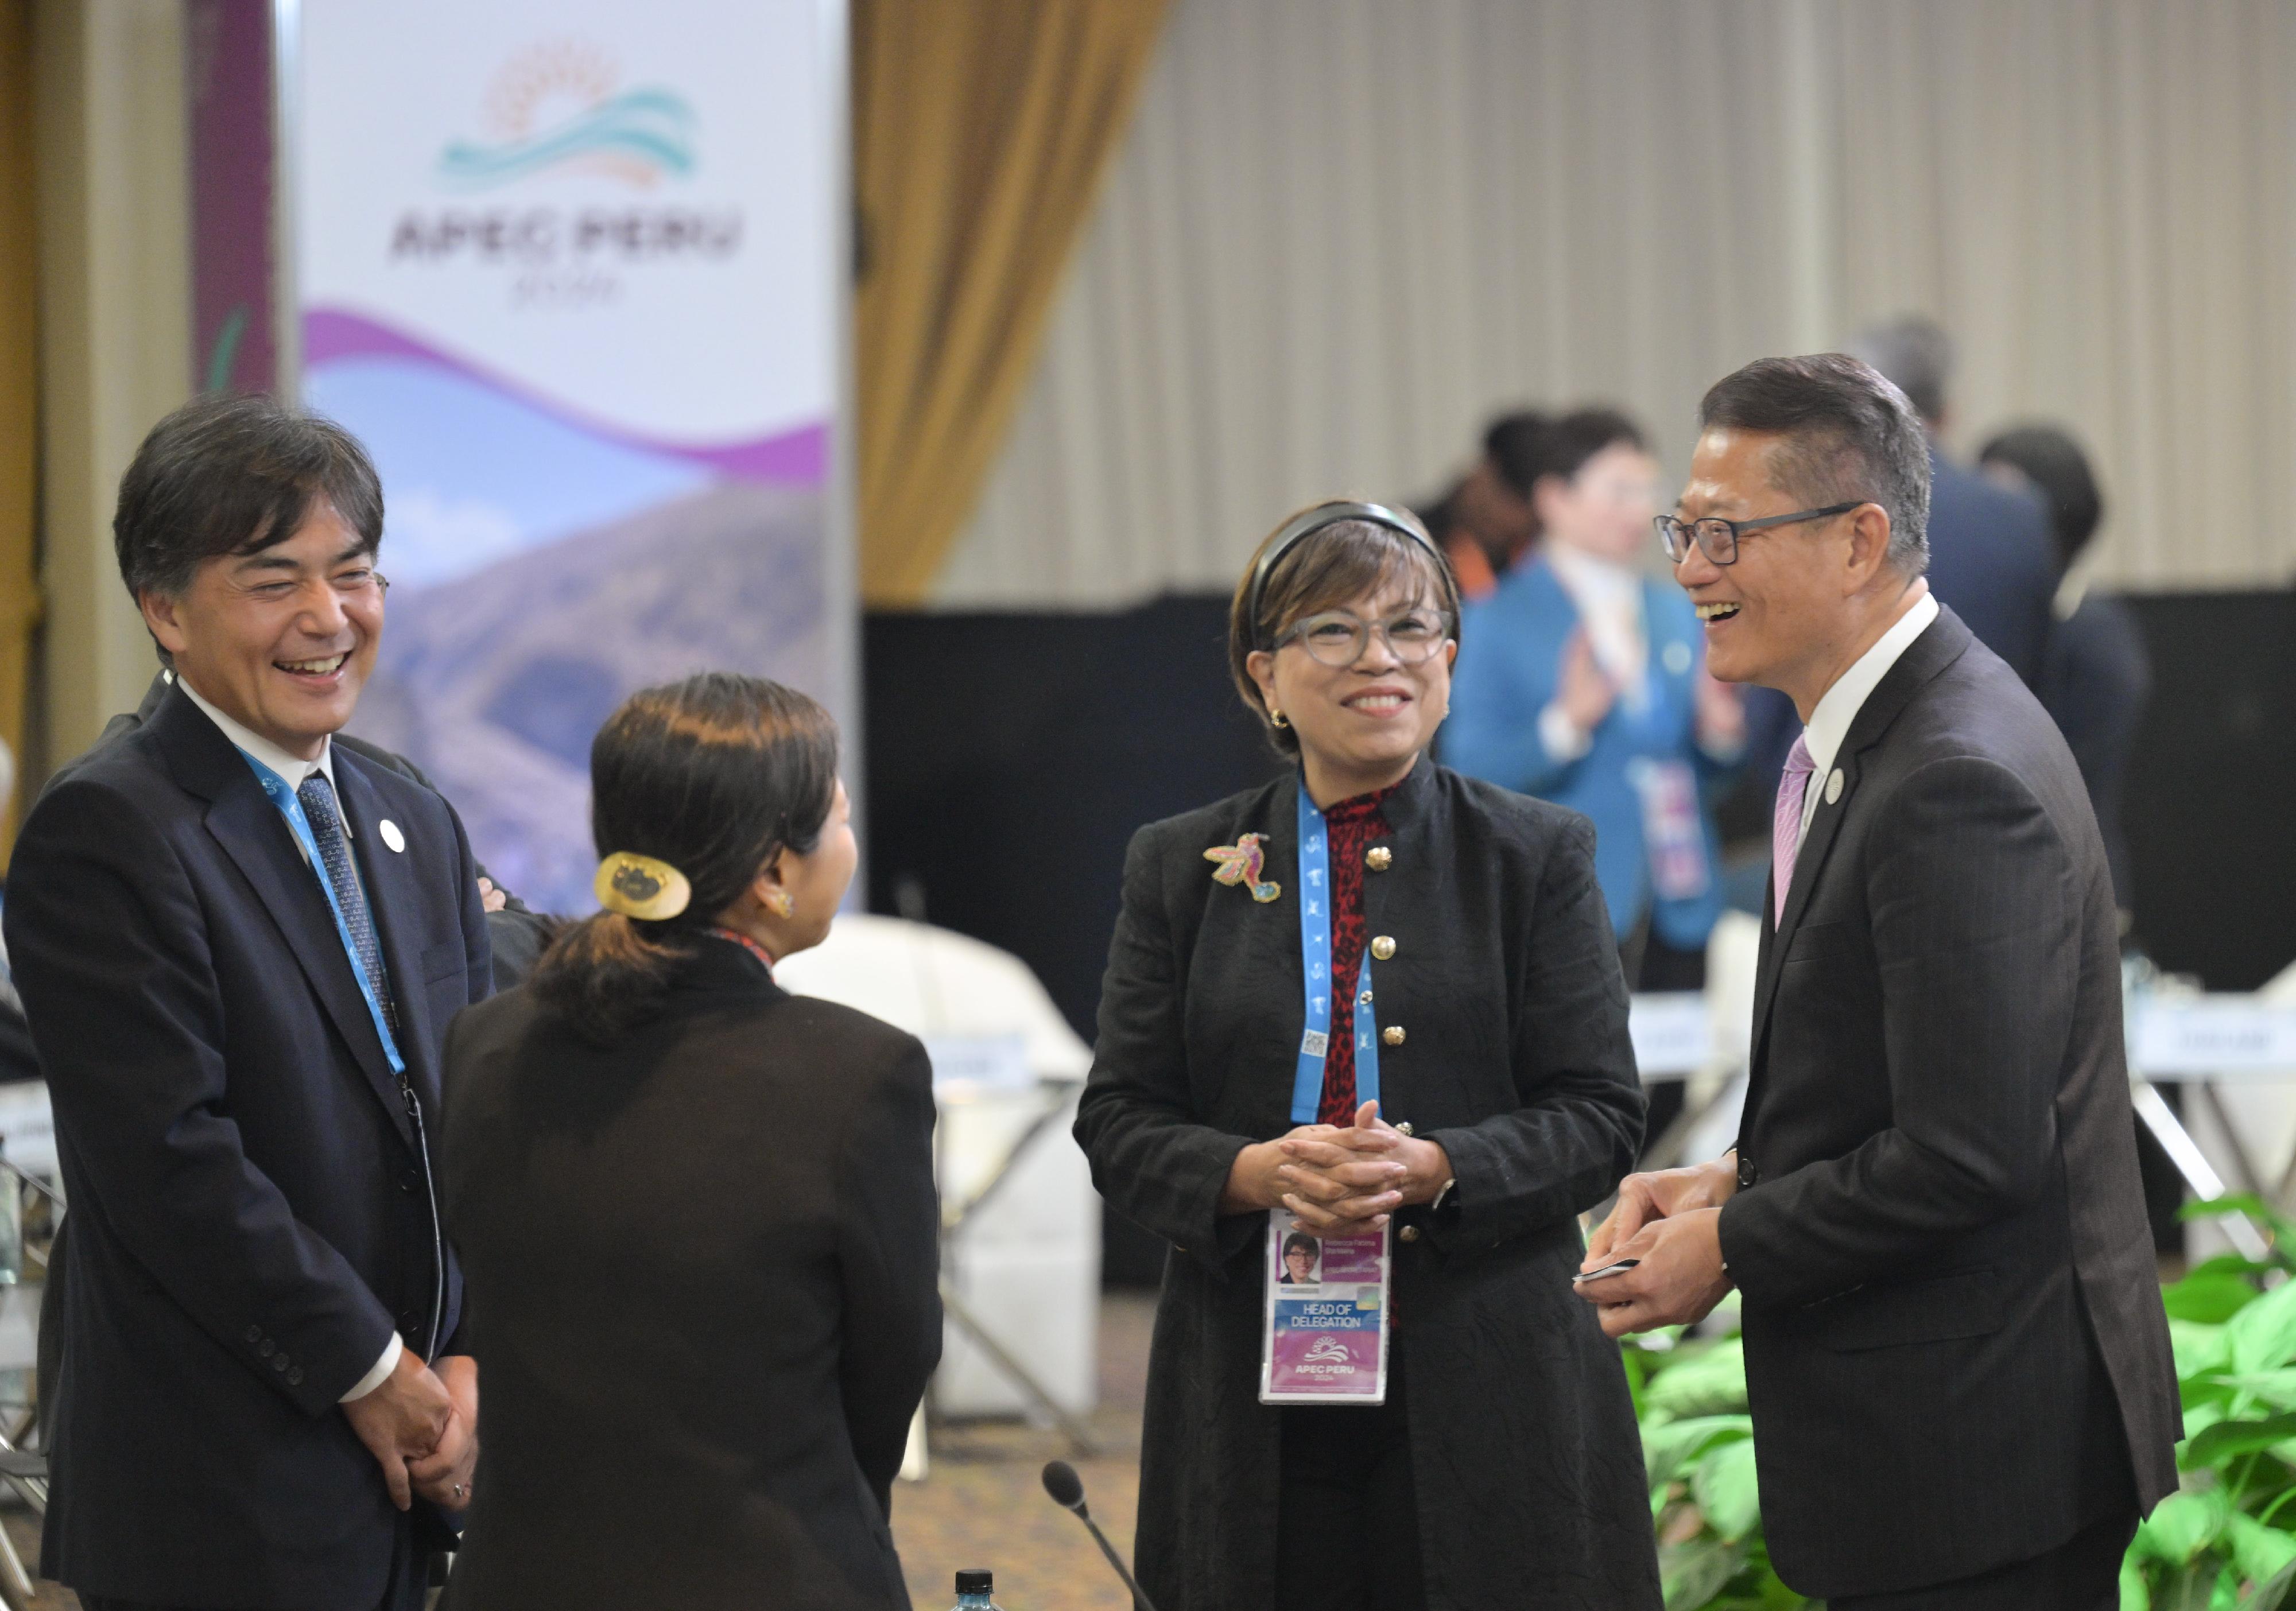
(319, 799)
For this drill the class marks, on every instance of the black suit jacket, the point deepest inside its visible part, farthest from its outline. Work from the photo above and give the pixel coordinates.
(1955, 1344)
(250, 1217)
(1506, 983)
(516, 935)
(704, 1288)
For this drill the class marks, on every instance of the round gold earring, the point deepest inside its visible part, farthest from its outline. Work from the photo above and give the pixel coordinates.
(783, 906)
(1277, 718)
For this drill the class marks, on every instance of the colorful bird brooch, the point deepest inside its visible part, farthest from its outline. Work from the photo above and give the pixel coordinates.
(1242, 864)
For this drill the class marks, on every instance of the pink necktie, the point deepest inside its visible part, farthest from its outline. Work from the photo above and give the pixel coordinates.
(1785, 826)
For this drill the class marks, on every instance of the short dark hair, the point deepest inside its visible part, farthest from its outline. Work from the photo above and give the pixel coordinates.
(1526, 448)
(1299, 1241)
(235, 473)
(1850, 436)
(1916, 355)
(714, 775)
(2054, 463)
(1329, 567)
(1511, 443)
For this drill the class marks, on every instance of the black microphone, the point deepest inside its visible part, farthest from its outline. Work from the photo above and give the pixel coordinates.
(1066, 1489)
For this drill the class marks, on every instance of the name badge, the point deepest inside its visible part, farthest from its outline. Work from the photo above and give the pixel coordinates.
(1673, 831)
(1327, 1317)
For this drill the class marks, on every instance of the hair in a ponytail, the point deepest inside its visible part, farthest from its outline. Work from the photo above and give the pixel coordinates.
(714, 776)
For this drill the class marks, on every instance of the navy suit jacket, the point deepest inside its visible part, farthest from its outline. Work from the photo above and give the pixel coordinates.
(1991, 563)
(251, 1216)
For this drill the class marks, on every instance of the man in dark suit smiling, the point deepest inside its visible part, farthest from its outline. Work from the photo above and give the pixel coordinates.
(1956, 1359)
(238, 945)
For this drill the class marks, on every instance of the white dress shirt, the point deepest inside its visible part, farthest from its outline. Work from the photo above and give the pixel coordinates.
(295, 772)
(1829, 724)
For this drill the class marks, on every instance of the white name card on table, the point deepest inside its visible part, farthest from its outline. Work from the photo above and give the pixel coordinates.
(967, 1065)
(2211, 1037)
(27, 1127)
(1673, 1033)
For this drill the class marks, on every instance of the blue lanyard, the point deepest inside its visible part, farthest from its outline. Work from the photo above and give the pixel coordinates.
(291, 809)
(1315, 968)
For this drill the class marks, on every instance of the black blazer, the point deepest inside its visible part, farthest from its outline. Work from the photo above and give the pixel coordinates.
(250, 1219)
(1955, 1343)
(704, 1282)
(1506, 983)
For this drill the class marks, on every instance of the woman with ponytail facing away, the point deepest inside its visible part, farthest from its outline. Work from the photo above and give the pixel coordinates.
(696, 1213)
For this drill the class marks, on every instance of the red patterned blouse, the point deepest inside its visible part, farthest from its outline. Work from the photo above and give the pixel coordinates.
(1352, 826)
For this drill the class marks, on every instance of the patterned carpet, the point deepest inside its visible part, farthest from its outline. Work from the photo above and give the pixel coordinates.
(983, 1504)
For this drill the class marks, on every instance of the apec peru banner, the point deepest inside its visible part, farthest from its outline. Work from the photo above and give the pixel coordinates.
(572, 274)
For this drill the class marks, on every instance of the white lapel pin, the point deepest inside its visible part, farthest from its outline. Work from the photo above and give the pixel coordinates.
(398, 840)
(1832, 797)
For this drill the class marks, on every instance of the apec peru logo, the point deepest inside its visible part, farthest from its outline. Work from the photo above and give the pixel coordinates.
(557, 107)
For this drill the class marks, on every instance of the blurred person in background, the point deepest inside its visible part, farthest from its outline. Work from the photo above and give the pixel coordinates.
(1587, 685)
(1503, 1467)
(697, 1212)
(1484, 524)
(2096, 675)
(1991, 559)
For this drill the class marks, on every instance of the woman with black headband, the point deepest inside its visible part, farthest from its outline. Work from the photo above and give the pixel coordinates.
(1377, 1003)
(696, 1211)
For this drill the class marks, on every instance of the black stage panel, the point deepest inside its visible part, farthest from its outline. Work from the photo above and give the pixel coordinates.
(2211, 799)
(1010, 759)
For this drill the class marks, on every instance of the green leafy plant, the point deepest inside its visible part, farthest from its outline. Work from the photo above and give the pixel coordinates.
(2224, 1541)
(1698, 1445)
(2228, 1538)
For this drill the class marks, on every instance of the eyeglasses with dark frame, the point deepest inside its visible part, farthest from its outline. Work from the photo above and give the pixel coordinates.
(1718, 538)
(1339, 637)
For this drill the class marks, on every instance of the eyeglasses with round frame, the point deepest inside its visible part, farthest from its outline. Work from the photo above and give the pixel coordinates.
(1718, 538)
(1339, 637)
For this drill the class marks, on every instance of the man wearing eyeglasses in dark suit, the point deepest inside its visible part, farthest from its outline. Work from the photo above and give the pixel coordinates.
(238, 945)
(1956, 1359)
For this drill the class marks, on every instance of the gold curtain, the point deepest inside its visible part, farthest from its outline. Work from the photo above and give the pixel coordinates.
(980, 128)
(20, 601)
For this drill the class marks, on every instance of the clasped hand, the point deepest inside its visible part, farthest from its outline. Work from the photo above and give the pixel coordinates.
(1669, 1220)
(422, 1428)
(1335, 1181)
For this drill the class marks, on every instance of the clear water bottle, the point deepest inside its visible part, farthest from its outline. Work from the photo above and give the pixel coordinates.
(974, 1589)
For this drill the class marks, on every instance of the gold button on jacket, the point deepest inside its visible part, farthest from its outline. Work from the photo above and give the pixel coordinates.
(1411, 1233)
(1383, 947)
(1393, 1034)
(1379, 858)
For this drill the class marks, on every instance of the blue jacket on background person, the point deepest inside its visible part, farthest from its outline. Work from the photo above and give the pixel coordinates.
(1509, 670)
